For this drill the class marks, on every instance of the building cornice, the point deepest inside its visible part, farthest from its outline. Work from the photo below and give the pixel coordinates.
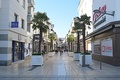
(104, 28)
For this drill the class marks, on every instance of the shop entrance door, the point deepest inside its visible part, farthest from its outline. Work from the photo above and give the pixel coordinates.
(17, 51)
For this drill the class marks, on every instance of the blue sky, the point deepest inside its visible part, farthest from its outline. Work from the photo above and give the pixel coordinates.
(60, 12)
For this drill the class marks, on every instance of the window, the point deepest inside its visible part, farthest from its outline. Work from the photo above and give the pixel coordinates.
(22, 23)
(16, 17)
(28, 28)
(23, 3)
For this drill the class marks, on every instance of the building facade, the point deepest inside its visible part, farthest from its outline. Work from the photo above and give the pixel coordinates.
(72, 46)
(85, 7)
(105, 34)
(15, 38)
(106, 31)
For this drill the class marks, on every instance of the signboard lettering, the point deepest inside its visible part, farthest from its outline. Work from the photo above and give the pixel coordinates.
(107, 48)
(97, 15)
(14, 24)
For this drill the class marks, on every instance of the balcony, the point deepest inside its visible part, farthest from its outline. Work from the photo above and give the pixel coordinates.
(29, 18)
(30, 3)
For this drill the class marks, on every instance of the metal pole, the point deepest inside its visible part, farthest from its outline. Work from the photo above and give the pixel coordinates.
(33, 45)
(100, 57)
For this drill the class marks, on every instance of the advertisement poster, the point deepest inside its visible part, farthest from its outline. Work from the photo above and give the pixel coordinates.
(107, 48)
(97, 49)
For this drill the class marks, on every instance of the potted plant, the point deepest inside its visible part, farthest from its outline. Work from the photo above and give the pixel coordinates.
(52, 38)
(70, 40)
(76, 55)
(77, 29)
(41, 23)
(70, 53)
(51, 53)
(88, 58)
(37, 59)
(82, 23)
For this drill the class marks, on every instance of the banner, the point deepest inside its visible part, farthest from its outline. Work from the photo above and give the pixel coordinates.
(107, 47)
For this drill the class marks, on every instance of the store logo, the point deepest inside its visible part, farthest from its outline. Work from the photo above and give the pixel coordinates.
(106, 49)
(96, 16)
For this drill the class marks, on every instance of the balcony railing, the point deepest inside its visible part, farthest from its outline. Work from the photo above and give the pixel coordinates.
(29, 18)
(31, 3)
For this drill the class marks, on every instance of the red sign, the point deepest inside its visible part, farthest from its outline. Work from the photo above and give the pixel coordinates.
(106, 48)
(97, 15)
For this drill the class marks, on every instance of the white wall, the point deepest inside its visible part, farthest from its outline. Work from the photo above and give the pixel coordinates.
(85, 7)
(16, 7)
(4, 14)
(7, 10)
(0, 3)
(111, 5)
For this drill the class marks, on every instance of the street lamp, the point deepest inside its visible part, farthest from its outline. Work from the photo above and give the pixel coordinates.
(98, 11)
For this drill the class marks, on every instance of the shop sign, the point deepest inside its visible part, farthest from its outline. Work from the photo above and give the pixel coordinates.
(14, 24)
(100, 22)
(106, 48)
(96, 16)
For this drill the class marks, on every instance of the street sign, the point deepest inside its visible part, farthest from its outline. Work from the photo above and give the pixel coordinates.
(14, 24)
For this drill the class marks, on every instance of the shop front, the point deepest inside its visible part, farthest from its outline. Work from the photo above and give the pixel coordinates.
(17, 51)
(106, 43)
(105, 38)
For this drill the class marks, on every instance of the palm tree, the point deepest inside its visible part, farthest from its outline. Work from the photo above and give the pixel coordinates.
(70, 39)
(40, 22)
(51, 36)
(85, 22)
(82, 23)
(77, 29)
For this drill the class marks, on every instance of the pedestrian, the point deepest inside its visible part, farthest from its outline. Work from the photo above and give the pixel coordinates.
(43, 52)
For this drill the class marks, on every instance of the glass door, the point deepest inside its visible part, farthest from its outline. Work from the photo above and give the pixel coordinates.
(17, 51)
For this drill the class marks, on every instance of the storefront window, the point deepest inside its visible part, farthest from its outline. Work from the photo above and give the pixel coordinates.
(18, 51)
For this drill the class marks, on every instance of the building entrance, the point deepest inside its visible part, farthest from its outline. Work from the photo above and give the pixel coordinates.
(17, 51)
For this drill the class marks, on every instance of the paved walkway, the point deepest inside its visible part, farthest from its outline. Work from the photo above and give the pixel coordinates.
(59, 68)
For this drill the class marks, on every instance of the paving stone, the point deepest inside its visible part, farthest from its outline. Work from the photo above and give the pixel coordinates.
(59, 68)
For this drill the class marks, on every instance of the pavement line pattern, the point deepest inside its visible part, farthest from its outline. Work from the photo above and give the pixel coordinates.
(59, 67)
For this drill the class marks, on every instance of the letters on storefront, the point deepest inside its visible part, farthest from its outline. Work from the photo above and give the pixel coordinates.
(97, 16)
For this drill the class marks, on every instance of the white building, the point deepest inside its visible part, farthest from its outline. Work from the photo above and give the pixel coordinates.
(105, 35)
(15, 34)
(71, 31)
(106, 31)
(85, 7)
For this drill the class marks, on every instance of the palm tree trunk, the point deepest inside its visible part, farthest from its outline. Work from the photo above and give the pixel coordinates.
(51, 45)
(40, 40)
(84, 44)
(78, 42)
(71, 46)
(84, 47)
